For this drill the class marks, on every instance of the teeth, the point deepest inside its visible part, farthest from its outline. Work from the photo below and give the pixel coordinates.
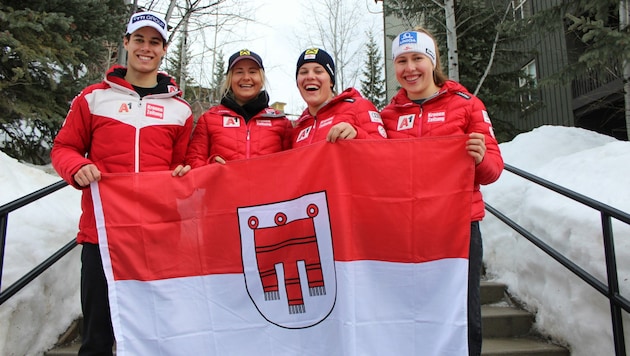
(311, 87)
(144, 58)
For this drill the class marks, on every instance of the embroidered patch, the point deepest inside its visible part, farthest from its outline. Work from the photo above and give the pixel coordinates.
(231, 121)
(405, 122)
(382, 131)
(375, 117)
(486, 117)
(463, 95)
(304, 134)
(436, 116)
(154, 111)
(326, 122)
(263, 122)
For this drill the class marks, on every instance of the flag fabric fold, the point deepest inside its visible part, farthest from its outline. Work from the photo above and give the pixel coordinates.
(353, 248)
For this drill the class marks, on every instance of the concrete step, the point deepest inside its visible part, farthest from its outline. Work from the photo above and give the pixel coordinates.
(521, 347)
(507, 329)
(492, 292)
(505, 321)
(66, 350)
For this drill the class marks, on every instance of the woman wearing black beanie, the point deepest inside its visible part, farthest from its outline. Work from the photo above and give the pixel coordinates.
(330, 116)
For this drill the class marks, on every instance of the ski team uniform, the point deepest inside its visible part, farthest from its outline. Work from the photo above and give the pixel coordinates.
(111, 126)
(452, 111)
(349, 106)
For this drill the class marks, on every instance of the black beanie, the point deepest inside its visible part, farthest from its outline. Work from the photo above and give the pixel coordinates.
(318, 56)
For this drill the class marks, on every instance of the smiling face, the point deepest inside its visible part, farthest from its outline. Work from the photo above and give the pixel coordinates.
(315, 85)
(246, 81)
(145, 48)
(414, 72)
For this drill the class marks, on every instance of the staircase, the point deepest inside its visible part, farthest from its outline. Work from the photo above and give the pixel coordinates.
(507, 329)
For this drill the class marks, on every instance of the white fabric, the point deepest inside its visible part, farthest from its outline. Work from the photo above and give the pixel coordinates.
(381, 308)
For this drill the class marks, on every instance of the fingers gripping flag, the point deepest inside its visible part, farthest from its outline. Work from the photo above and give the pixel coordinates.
(353, 248)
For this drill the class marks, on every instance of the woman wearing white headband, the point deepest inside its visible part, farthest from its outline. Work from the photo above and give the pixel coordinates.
(429, 104)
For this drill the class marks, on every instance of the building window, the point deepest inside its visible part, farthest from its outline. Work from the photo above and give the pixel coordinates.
(520, 9)
(528, 83)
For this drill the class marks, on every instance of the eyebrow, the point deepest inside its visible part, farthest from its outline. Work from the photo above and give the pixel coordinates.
(158, 38)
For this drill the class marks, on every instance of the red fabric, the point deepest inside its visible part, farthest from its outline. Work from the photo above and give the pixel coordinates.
(110, 126)
(222, 132)
(453, 112)
(349, 106)
(402, 201)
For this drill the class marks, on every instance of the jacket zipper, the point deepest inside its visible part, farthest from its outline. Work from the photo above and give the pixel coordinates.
(247, 143)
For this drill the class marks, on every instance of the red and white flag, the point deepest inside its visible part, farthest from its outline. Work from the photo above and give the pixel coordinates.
(353, 248)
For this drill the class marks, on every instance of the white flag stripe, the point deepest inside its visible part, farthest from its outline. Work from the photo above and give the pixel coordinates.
(381, 308)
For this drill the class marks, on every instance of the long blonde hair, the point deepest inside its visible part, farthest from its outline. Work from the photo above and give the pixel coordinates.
(439, 77)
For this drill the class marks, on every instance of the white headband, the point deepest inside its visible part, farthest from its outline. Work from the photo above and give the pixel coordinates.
(414, 42)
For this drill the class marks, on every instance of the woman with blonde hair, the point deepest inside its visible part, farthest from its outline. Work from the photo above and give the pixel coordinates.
(242, 125)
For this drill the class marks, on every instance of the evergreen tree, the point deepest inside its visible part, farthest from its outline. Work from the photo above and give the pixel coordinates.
(217, 79)
(49, 50)
(373, 82)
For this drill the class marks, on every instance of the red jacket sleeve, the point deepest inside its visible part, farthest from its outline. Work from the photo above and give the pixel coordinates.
(73, 141)
(368, 121)
(490, 168)
(199, 148)
(287, 139)
(181, 143)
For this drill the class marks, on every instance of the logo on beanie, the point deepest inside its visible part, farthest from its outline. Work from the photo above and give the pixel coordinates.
(407, 37)
(244, 52)
(311, 53)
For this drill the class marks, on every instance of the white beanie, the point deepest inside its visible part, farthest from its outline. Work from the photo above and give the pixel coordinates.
(150, 19)
(414, 42)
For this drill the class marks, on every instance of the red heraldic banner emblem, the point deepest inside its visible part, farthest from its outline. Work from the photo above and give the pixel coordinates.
(353, 248)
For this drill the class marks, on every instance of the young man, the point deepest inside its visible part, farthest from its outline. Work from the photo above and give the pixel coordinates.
(133, 121)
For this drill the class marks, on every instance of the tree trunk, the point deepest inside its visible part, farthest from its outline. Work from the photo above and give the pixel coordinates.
(451, 40)
(122, 52)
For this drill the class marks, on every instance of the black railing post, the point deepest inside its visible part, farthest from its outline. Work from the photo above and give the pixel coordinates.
(3, 241)
(613, 285)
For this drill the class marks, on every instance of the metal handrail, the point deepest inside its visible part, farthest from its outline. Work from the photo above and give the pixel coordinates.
(4, 220)
(610, 290)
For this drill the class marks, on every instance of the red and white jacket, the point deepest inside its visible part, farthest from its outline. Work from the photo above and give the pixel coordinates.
(111, 126)
(452, 111)
(349, 106)
(220, 131)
